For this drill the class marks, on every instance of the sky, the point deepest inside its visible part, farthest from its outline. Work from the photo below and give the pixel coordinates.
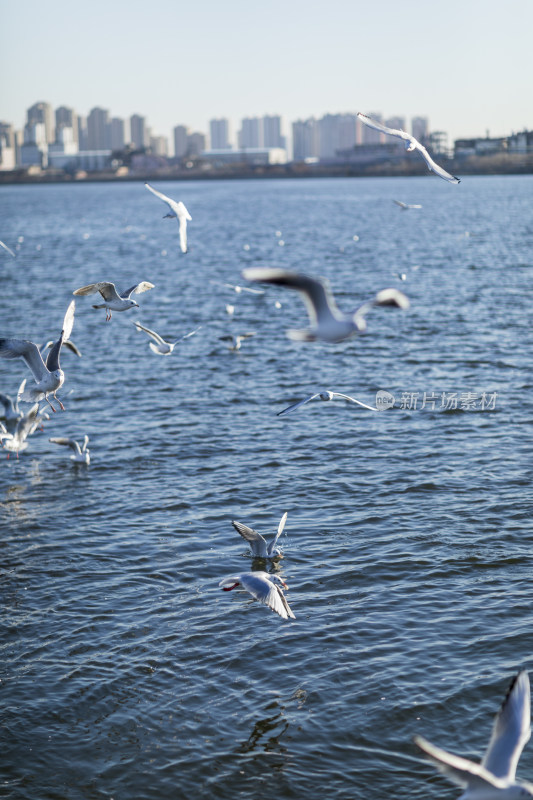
(467, 65)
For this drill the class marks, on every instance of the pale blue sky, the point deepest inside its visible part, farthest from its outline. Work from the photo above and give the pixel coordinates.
(466, 64)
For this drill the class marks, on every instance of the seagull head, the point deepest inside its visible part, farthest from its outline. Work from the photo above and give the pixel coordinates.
(326, 395)
(133, 304)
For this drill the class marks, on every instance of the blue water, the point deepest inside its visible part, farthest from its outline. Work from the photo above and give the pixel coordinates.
(125, 671)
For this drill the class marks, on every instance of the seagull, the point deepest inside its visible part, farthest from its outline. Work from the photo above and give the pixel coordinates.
(4, 434)
(49, 377)
(238, 289)
(81, 455)
(410, 144)
(327, 395)
(25, 426)
(236, 340)
(9, 250)
(162, 347)
(327, 321)
(259, 546)
(113, 300)
(12, 410)
(495, 776)
(406, 206)
(263, 587)
(177, 210)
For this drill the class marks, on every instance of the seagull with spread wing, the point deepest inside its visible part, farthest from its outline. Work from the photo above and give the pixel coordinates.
(177, 211)
(263, 587)
(494, 778)
(80, 455)
(49, 377)
(258, 544)
(326, 395)
(328, 323)
(113, 301)
(410, 144)
(161, 346)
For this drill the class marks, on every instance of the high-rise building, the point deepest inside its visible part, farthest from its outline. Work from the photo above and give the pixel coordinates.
(305, 139)
(196, 144)
(42, 113)
(272, 136)
(66, 118)
(219, 134)
(98, 129)
(82, 133)
(181, 144)
(251, 132)
(159, 145)
(420, 128)
(138, 131)
(336, 132)
(117, 134)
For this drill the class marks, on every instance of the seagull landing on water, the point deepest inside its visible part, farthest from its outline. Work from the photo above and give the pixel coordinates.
(80, 455)
(406, 206)
(49, 377)
(327, 395)
(162, 347)
(177, 211)
(235, 341)
(410, 144)
(264, 587)
(113, 300)
(494, 778)
(327, 321)
(258, 544)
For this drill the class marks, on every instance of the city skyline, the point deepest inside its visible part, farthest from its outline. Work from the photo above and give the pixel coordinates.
(466, 69)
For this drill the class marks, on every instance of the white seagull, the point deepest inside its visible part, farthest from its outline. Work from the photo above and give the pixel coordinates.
(326, 395)
(176, 210)
(12, 411)
(25, 426)
(258, 544)
(327, 321)
(406, 206)
(162, 347)
(494, 778)
(113, 300)
(49, 377)
(264, 587)
(236, 340)
(81, 455)
(410, 144)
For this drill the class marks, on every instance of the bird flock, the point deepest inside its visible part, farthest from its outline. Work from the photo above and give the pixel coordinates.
(495, 776)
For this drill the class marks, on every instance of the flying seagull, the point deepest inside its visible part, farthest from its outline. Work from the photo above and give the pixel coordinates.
(81, 455)
(258, 544)
(327, 321)
(49, 377)
(495, 776)
(406, 206)
(25, 426)
(327, 395)
(236, 340)
(113, 300)
(162, 347)
(264, 587)
(12, 411)
(176, 210)
(410, 144)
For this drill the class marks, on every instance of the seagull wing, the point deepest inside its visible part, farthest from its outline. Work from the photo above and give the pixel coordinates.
(315, 292)
(183, 215)
(294, 406)
(353, 400)
(106, 289)
(138, 288)
(272, 544)
(384, 129)
(172, 204)
(155, 336)
(511, 731)
(459, 770)
(399, 203)
(267, 593)
(71, 346)
(26, 424)
(257, 542)
(68, 442)
(9, 250)
(23, 348)
(432, 165)
(52, 362)
(188, 334)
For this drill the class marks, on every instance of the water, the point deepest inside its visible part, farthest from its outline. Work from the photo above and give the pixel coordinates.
(126, 672)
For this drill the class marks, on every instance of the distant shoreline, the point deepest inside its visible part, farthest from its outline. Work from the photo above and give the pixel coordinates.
(499, 164)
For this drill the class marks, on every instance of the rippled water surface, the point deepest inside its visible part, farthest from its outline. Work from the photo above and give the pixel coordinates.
(126, 672)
